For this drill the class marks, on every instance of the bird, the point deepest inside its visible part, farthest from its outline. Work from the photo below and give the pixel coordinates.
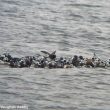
(52, 55)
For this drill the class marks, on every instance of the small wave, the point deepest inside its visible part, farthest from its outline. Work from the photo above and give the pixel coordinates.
(103, 83)
(84, 5)
(7, 92)
(10, 2)
(45, 84)
(15, 78)
(59, 107)
(102, 38)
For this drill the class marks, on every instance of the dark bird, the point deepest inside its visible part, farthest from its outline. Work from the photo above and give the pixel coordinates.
(52, 55)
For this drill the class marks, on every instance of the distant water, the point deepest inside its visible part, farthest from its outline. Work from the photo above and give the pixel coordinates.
(68, 26)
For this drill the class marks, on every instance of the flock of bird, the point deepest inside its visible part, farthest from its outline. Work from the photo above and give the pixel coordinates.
(50, 60)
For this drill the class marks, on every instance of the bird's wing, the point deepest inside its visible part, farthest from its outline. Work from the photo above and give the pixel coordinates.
(53, 52)
(45, 52)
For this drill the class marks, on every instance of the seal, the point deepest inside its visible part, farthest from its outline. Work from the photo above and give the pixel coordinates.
(75, 61)
(7, 57)
(89, 62)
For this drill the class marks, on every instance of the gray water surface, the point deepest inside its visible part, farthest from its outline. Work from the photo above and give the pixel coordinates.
(70, 27)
